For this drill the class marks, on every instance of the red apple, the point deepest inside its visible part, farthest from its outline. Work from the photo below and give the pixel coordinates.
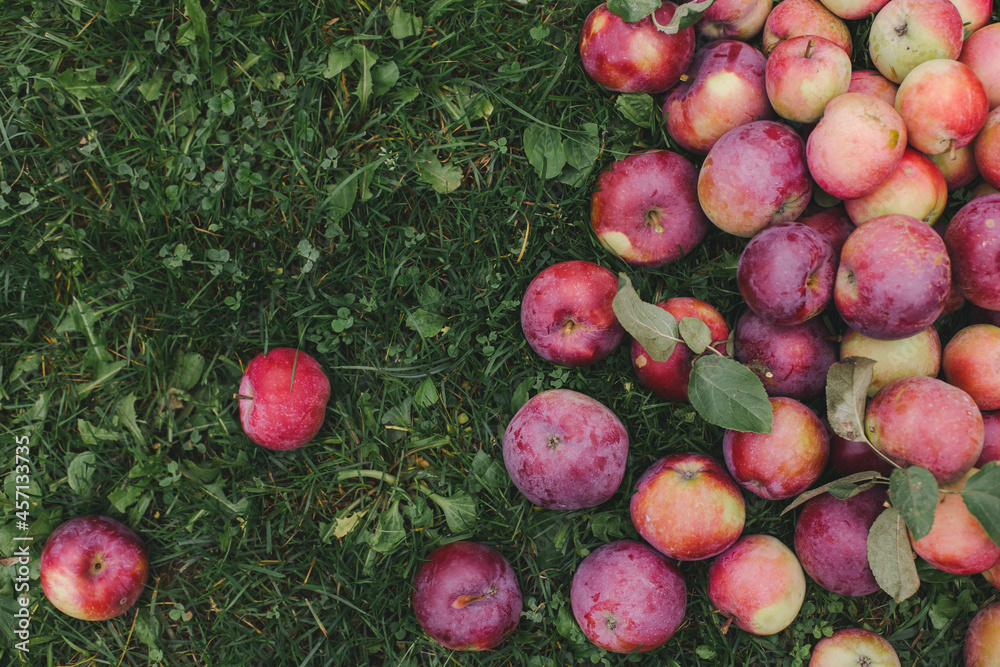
(982, 639)
(991, 439)
(986, 149)
(916, 188)
(850, 456)
(645, 208)
(285, 392)
(958, 166)
(733, 19)
(758, 583)
(634, 57)
(565, 450)
(784, 462)
(627, 597)
(688, 507)
(894, 277)
(926, 422)
(973, 241)
(803, 74)
(722, 89)
(870, 82)
(786, 272)
(853, 646)
(971, 362)
(566, 313)
(832, 223)
(466, 596)
(906, 33)
(943, 105)
(669, 379)
(755, 175)
(93, 568)
(992, 576)
(919, 354)
(831, 540)
(857, 144)
(981, 52)
(854, 9)
(975, 14)
(794, 18)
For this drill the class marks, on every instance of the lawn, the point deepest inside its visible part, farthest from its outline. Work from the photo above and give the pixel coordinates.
(186, 184)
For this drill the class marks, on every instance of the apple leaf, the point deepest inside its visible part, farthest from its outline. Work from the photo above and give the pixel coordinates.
(544, 148)
(913, 491)
(637, 108)
(982, 498)
(389, 531)
(859, 478)
(633, 10)
(685, 16)
(891, 557)
(654, 328)
(695, 334)
(846, 392)
(459, 511)
(728, 394)
(844, 490)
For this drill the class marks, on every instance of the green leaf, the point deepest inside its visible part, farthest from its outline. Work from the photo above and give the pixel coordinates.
(583, 148)
(90, 434)
(845, 490)
(728, 394)
(80, 471)
(126, 413)
(544, 149)
(427, 394)
(914, 492)
(982, 498)
(81, 83)
(846, 393)
(150, 90)
(389, 531)
(891, 557)
(385, 77)
(637, 108)
(403, 25)
(341, 199)
(187, 371)
(426, 323)
(695, 334)
(336, 62)
(566, 626)
(459, 511)
(520, 396)
(654, 327)
(862, 478)
(443, 178)
(633, 10)
(147, 629)
(365, 59)
(116, 10)
(194, 11)
(685, 16)
(125, 497)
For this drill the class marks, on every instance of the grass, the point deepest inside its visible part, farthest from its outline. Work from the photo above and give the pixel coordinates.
(186, 184)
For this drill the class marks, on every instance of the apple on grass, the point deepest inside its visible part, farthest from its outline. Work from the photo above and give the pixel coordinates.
(93, 568)
(919, 354)
(466, 596)
(973, 242)
(565, 450)
(627, 597)
(853, 647)
(906, 33)
(943, 104)
(733, 19)
(688, 507)
(283, 396)
(645, 210)
(916, 188)
(803, 74)
(566, 313)
(758, 584)
(982, 638)
(971, 362)
(794, 18)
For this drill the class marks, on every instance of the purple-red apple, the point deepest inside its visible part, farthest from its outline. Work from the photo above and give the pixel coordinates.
(733, 19)
(991, 439)
(688, 507)
(973, 241)
(565, 450)
(831, 540)
(926, 422)
(755, 175)
(645, 210)
(986, 149)
(627, 597)
(634, 57)
(283, 396)
(832, 223)
(916, 188)
(566, 313)
(758, 583)
(919, 354)
(669, 379)
(906, 33)
(958, 166)
(803, 74)
(943, 105)
(982, 638)
(848, 647)
(786, 273)
(794, 18)
(856, 145)
(981, 52)
(93, 568)
(850, 456)
(971, 362)
(722, 89)
(466, 596)
(872, 83)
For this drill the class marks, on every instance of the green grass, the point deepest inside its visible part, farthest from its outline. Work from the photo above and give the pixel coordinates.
(180, 194)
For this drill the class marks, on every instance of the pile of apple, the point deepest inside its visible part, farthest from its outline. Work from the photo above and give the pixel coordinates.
(839, 178)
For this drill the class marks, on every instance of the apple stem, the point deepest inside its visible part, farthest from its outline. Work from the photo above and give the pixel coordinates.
(242, 397)
(952, 152)
(809, 48)
(653, 220)
(567, 328)
(725, 626)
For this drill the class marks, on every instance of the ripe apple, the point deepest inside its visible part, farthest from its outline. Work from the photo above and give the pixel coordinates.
(916, 188)
(982, 639)
(758, 583)
(626, 597)
(790, 361)
(688, 507)
(971, 362)
(986, 149)
(850, 456)
(755, 175)
(565, 450)
(645, 208)
(669, 379)
(784, 462)
(957, 542)
(831, 540)
(975, 14)
(854, 9)
(793, 18)
(853, 646)
(283, 396)
(973, 241)
(856, 145)
(992, 576)
(832, 223)
(906, 33)
(722, 89)
(943, 105)
(466, 596)
(981, 52)
(786, 273)
(926, 422)
(894, 277)
(803, 74)
(958, 166)
(628, 57)
(733, 19)
(991, 438)
(566, 313)
(919, 354)
(872, 83)
(93, 568)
